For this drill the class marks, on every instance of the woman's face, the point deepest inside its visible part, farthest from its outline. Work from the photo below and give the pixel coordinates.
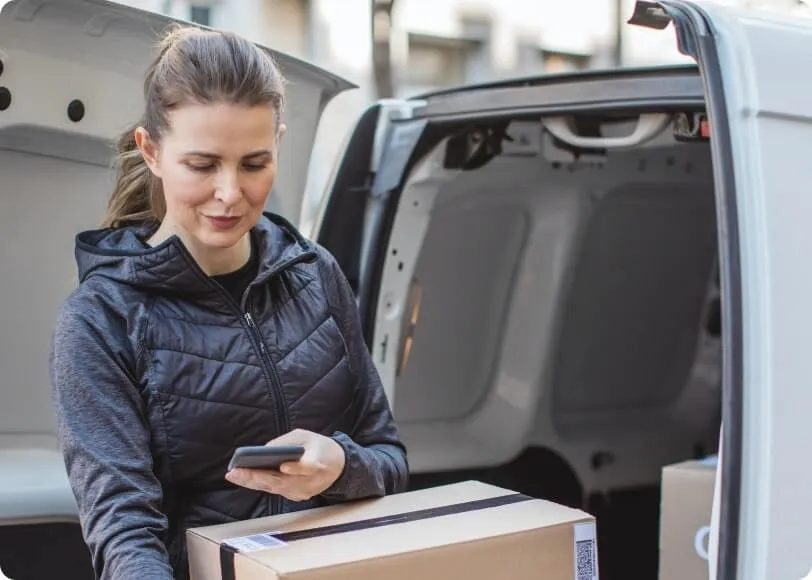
(217, 163)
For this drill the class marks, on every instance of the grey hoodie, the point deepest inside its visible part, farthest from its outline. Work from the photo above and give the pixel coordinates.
(158, 374)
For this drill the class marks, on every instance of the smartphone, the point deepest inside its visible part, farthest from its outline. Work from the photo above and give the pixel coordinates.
(265, 456)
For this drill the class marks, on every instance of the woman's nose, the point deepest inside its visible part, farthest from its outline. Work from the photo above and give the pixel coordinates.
(229, 189)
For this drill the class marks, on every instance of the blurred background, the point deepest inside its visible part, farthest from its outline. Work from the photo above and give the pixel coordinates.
(400, 48)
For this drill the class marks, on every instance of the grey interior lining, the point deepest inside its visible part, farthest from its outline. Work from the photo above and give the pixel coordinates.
(628, 313)
(632, 317)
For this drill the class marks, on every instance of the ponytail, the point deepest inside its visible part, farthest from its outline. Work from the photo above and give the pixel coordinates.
(138, 195)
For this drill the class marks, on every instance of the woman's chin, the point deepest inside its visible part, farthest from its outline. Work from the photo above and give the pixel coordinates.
(221, 240)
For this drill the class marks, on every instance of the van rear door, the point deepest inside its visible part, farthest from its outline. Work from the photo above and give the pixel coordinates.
(759, 100)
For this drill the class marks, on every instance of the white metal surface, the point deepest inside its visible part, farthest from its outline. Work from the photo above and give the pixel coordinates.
(769, 99)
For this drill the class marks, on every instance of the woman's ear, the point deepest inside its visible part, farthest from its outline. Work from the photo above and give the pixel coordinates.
(148, 149)
(282, 130)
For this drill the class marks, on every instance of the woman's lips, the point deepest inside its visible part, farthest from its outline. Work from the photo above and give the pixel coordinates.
(223, 223)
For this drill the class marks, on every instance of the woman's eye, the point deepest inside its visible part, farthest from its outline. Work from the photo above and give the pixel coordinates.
(253, 167)
(201, 168)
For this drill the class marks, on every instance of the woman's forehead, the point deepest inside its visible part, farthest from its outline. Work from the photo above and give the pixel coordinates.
(222, 126)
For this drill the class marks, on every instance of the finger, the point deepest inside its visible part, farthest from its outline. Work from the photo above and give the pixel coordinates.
(299, 468)
(238, 477)
(313, 456)
(256, 479)
(295, 487)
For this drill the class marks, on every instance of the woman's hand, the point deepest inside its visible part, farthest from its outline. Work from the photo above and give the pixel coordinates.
(319, 467)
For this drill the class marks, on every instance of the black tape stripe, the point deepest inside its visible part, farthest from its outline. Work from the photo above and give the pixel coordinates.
(447, 510)
(227, 552)
(227, 562)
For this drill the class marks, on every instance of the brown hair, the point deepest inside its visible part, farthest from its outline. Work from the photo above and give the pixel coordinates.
(192, 66)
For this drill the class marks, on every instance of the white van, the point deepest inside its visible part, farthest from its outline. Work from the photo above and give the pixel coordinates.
(564, 282)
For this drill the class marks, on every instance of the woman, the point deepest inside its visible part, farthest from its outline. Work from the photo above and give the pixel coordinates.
(202, 324)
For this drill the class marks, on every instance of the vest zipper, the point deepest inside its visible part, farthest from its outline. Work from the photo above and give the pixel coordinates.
(282, 411)
(276, 385)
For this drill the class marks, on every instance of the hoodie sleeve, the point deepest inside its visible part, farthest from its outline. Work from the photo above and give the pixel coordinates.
(376, 462)
(105, 442)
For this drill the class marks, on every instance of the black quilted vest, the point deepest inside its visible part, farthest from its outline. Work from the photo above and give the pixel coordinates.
(215, 374)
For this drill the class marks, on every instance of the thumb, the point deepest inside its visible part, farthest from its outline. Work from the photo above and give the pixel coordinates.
(311, 454)
(295, 437)
(307, 464)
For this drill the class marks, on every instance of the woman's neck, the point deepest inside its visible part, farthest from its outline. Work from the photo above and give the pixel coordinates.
(213, 261)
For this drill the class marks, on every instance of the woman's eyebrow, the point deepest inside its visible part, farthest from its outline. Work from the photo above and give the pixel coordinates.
(207, 155)
(258, 153)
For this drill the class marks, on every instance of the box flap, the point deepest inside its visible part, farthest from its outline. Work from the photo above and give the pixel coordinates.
(354, 511)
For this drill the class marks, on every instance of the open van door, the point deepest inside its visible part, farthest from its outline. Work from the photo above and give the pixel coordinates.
(71, 74)
(356, 215)
(759, 100)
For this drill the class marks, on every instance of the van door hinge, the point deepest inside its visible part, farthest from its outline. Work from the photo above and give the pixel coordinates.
(650, 15)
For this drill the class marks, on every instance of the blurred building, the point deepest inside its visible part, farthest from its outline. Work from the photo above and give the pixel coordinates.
(435, 43)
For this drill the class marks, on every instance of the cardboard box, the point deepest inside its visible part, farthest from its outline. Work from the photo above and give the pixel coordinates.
(468, 530)
(685, 514)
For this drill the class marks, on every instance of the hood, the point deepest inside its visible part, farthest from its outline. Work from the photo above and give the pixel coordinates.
(73, 71)
(122, 255)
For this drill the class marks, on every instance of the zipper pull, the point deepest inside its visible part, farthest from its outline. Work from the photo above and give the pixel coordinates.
(250, 320)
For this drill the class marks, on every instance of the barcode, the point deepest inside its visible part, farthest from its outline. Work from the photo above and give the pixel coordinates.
(255, 542)
(584, 560)
(585, 544)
